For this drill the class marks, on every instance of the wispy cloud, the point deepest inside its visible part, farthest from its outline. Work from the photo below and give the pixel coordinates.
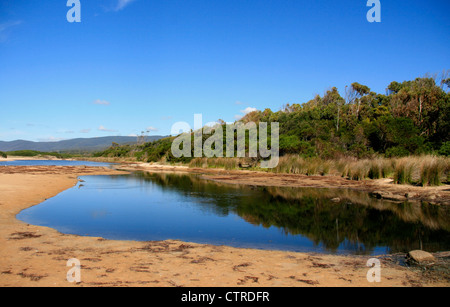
(121, 4)
(151, 128)
(4, 29)
(85, 130)
(102, 128)
(102, 102)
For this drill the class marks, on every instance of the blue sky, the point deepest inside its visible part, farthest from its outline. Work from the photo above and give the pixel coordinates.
(134, 65)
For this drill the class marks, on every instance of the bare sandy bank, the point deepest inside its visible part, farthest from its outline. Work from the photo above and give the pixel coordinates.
(37, 256)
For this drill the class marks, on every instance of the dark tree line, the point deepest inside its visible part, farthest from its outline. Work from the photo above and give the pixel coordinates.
(411, 118)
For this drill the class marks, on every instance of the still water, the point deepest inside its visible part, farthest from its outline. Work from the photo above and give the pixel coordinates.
(145, 207)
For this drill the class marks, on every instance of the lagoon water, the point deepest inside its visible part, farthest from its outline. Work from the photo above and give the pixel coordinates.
(155, 206)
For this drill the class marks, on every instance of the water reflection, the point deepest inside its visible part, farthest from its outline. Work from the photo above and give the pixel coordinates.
(158, 206)
(334, 218)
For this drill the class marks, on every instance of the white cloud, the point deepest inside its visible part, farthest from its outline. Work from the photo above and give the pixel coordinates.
(238, 102)
(121, 4)
(102, 128)
(152, 128)
(248, 110)
(245, 112)
(85, 130)
(102, 102)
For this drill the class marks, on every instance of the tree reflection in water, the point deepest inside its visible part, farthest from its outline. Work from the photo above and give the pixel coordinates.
(355, 220)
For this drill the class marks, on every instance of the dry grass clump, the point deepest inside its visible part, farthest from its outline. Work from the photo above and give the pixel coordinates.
(434, 170)
(403, 170)
(294, 164)
(422, 170)
(291, 164)
(225, 163)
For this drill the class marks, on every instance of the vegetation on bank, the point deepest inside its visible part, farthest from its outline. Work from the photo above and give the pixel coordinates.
(3, 154)
(33, 153)
(403, 134)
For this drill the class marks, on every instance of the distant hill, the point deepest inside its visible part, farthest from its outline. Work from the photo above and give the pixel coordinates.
(73, 145)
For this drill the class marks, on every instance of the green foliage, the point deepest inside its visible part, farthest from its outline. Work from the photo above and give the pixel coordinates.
(397, 151)
(413, 118)
(34, 153)
(3, 155)
(115, 151)
(445, 149)
(289, 144)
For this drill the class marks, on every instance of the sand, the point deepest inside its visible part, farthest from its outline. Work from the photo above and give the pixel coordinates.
(37, 256)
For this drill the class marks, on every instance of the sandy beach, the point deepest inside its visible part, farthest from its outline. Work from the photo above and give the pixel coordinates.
(37, 256)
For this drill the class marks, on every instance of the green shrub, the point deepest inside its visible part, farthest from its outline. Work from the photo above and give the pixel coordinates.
(445, 149)
(3, 155)
(397, 151)
(289, 144)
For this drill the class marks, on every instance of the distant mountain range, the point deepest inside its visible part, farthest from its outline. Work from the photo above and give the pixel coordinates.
(73, 145)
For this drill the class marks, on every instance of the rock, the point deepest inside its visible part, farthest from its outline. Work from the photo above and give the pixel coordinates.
(378, 194)
(388, 196)
(419, 256)
(336, 199)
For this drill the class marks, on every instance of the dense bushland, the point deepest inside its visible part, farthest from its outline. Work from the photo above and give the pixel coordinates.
(360, 134)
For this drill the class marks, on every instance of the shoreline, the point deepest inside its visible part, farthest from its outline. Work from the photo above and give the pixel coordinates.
(41, 253)
(379, 188)
(44, 158)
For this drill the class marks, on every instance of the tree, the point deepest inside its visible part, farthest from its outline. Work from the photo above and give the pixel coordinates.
(356, 92)
(334, 101)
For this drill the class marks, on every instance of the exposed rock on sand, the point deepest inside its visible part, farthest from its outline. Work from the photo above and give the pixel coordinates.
(420, 257)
